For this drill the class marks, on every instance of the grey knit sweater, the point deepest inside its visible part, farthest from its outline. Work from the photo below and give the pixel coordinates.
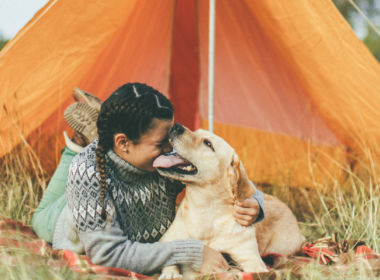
(140, 207)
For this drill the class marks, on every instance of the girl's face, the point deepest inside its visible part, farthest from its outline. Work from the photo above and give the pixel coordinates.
(151, 145)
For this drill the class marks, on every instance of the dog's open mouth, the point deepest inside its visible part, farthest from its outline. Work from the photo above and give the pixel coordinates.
(176, 164)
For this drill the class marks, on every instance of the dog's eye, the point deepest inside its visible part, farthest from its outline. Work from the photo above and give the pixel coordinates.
(208, 143)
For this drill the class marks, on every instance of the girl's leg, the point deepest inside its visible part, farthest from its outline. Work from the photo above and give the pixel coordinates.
(54, 199)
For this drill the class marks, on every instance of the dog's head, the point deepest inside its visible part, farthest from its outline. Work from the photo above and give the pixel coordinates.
(206, 160)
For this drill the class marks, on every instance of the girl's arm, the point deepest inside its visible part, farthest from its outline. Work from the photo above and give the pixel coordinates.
(104, 242)
(258, 195)
(251, 210)
(110, 248)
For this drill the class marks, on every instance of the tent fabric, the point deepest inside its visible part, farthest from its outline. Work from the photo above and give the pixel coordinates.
(295, 89)
(271, 158)
(42, 63)
(271, 100)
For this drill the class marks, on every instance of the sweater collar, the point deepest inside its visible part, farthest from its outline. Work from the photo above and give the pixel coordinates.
(124, 170)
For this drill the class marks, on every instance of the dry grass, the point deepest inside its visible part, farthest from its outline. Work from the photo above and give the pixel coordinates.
(28, 268)
(22, 184)
(350, 207)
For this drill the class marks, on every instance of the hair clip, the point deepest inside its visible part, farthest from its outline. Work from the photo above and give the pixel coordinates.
(135, 91)
(159, 105)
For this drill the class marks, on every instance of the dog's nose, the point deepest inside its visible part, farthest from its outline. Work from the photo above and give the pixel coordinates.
(177, 128)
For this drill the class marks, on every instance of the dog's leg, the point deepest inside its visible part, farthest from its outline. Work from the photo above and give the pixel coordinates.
(176, 231)
(170, 272)
(252, 264)
(248, 258)
(188, 273)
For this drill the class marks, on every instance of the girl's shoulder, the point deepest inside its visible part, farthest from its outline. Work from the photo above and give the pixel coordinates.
(85, 159)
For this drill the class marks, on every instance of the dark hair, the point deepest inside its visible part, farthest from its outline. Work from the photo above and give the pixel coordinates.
(129, 110)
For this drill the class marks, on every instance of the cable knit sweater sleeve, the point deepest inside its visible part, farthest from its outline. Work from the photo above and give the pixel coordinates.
(111, 248)
(104, 241)
(258, 195)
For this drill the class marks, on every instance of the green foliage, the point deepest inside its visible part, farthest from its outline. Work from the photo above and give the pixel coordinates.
(371, 9)
(3, 42)
(372, 41)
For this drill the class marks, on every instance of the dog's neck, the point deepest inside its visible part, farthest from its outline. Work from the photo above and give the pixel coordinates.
(202, 196)
(205, 208)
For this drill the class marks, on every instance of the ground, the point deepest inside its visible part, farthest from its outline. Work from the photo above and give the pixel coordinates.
(349, 206)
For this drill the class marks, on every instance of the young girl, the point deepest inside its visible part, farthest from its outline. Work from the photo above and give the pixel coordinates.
(118, 206)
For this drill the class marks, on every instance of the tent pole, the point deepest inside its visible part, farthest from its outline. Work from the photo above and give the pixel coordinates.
(211, 53)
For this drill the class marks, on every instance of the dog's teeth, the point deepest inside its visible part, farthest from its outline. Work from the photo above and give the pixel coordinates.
(187, 168)
(190, 168)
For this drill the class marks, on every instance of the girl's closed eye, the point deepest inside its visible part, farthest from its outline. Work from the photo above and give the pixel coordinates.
(160, 144)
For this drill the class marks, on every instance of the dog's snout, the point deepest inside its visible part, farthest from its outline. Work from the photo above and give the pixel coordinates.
(177, 129)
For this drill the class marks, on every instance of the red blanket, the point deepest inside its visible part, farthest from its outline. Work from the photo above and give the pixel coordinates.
(326, 252)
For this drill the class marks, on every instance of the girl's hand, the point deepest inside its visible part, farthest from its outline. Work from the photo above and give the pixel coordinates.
(246, 213)
(213, 261)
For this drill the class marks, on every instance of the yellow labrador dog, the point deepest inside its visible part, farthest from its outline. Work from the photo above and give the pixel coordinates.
(215, 179)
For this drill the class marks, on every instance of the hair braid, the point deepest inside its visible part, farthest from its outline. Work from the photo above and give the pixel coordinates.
(129, 110)
(100, 154)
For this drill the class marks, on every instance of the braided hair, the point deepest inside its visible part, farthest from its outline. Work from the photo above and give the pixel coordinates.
(129, 110)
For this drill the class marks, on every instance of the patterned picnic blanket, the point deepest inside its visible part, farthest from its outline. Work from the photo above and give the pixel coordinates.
(326, 252)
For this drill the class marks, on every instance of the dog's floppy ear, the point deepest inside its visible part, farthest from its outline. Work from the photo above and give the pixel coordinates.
(243, 188)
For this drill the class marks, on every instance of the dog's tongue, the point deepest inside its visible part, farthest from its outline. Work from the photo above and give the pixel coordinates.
(169, 161)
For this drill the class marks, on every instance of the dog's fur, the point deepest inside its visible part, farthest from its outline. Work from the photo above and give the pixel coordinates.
(206, 212)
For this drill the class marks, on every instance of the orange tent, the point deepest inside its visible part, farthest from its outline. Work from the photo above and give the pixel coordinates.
(294, 87)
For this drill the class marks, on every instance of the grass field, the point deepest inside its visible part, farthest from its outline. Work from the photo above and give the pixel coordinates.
(350, 207)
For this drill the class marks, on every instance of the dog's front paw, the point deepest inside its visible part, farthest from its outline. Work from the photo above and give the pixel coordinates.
(170, 272)
(255, 265)
(171, 275)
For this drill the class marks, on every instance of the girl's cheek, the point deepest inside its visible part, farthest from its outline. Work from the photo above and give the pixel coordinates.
(157, 152)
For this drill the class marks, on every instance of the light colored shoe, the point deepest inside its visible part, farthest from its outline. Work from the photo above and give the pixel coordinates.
(71, 145)
(82, 118)
(86, 97)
